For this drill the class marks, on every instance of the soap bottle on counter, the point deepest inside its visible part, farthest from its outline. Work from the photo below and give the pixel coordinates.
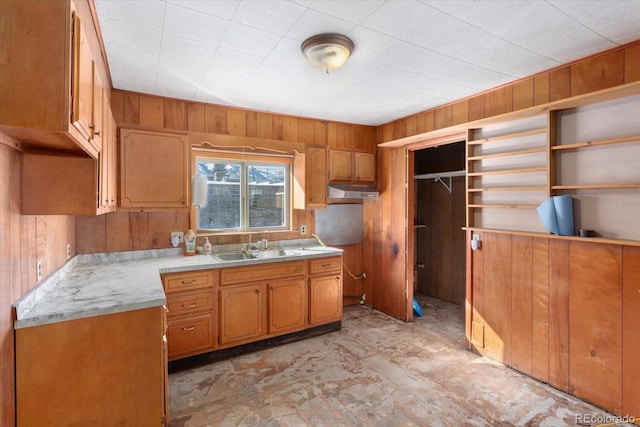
(206, 247)
(190, 243)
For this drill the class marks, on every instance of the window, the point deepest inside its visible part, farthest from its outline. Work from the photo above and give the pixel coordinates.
(244, 195)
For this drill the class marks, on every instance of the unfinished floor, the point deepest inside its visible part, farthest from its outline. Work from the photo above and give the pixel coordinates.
(376, 371)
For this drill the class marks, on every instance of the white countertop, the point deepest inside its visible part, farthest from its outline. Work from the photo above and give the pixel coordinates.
(99, 284)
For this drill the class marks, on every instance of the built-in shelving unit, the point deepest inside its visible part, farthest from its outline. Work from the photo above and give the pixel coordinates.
(507, 173)
(589, 152)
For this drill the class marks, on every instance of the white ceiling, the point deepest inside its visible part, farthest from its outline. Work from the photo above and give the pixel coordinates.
(409, 56)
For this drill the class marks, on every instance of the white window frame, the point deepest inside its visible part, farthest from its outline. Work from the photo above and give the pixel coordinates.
(245, 161)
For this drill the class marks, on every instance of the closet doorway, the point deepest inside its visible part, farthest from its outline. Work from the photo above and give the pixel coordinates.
(439, 215)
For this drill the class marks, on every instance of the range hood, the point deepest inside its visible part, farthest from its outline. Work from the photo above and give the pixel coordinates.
(352, 191)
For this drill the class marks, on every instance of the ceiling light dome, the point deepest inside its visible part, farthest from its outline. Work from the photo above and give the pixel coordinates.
(327, 51)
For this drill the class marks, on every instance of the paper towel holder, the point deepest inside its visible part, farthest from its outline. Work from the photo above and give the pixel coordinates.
(199, 191)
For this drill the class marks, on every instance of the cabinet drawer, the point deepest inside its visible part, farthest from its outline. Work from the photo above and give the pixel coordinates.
(324, 265)
(191, 303)
(190, 336)
(261, 272)
(190, 280)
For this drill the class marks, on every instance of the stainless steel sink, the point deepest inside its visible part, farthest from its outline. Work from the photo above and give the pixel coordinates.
(270, 253)
(232, 256)
(261, 254)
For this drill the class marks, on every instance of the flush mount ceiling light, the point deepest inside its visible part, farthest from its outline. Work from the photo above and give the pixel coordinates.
(327, 51)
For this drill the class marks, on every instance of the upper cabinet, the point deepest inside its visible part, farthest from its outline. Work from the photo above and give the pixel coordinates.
(340, 165)
(72, 185)
(351, 166)
(316, 177)
(364, 164)
(107, 191)
(53, 75)
(154, 169)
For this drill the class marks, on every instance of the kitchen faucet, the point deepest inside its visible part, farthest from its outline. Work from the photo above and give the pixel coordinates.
(262, 244)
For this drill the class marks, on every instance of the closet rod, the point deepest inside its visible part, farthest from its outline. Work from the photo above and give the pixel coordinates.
(441, 174)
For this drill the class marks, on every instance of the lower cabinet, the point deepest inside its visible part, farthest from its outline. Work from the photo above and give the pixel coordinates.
(191, 323)
(325, 290)
(221, 308)
(99, 371)
(287, 305)
(242, 313)
(190, 335)
(325, 299)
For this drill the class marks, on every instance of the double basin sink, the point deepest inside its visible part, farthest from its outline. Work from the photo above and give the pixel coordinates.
(249, 255)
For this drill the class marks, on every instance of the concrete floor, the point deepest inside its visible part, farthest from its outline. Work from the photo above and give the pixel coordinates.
(376, 371)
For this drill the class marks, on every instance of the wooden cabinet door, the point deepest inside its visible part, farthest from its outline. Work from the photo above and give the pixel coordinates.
(242, 311)
(325, 299)
(154, 169)
(97, 110)
(191, 335)
(104, 370)
(340, 165)
(364, 166)
(112, 189)
(189, 280)
(316, 177)
(105, 159)
(287, 305)
(103, 175)
(325, 265)
(82, 77)
(259, 272)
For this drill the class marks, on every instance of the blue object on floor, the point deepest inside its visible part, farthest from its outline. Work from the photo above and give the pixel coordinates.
(416, 308)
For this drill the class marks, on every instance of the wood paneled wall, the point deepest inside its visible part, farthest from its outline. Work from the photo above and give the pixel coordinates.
(602, 71)
(146, 110)
(123, 231)
(564, 312)
(25, 239)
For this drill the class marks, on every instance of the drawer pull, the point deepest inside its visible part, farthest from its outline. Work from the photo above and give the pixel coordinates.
(190, 328)
(193, 304)
(326, 265)
(190, 282)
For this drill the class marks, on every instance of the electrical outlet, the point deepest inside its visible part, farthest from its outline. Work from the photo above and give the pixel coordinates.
(179, 235)
(476, 237)
(38, 270)
(68, 250)
(303, 229)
